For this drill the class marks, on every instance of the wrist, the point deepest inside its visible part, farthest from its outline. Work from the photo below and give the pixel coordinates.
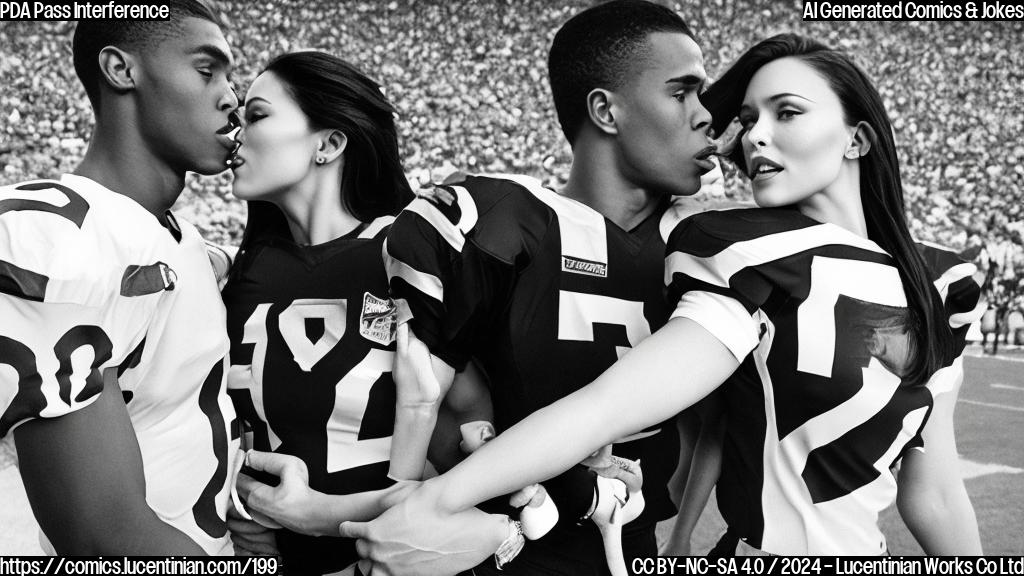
(441, 498)
(412, 410)
(316, 516)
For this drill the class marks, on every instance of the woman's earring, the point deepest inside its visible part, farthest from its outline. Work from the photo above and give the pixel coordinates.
(852, 154)
(319, 159)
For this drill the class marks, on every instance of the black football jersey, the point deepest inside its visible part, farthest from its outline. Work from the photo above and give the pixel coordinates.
(817, 412)
(312, 333)
(545, 294)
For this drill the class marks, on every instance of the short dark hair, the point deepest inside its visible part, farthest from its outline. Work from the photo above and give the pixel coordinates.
(333, 93)
(91, 36)
(598, 48)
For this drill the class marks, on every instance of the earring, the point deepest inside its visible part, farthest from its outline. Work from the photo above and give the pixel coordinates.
(852, 154)
(319, 159)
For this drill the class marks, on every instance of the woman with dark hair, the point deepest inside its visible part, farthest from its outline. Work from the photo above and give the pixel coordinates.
(312, 326)
(835, 338)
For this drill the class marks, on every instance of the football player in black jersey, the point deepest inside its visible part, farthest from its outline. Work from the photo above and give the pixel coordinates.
(838, 343)
(546, 290)
(311, 322)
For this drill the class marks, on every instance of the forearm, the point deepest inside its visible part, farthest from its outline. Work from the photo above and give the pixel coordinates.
(326, 511)
(942, 521)
(704, 469)
(414, 426)
(554, 438)
(127, 533)
(84, 480)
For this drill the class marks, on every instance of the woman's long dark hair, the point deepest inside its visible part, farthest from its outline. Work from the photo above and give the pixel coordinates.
(881, 188)
(335, 94)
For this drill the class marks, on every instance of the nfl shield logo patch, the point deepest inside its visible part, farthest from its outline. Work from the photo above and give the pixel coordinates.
(378, 320)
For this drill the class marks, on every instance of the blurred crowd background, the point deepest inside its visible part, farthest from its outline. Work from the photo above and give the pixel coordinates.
(470, 81)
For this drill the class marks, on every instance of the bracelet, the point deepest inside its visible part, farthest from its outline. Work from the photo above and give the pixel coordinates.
(512, 545)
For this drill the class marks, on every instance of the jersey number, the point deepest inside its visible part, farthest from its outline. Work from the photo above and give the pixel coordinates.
(29, 401)
(578, 312)
(344, 448)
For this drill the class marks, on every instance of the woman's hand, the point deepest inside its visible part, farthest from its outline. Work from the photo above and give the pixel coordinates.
(249, 537)
(285, 505)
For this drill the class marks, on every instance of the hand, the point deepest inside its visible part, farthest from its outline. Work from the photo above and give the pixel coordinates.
(284, 505)
(416, 382)
(249, 537)
(619, 501)
(414, 538)
(621, 480)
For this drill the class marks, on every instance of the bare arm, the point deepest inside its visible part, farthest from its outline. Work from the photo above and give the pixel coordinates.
(679, 365)
(697, 478)
(932, 498)
(417, 407)
(467, 401)
(297, 507)
(84, 479)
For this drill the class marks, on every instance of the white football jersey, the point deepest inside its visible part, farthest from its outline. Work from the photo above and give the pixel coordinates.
(90, 280)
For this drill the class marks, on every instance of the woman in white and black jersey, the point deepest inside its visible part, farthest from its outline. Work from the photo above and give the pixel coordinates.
(835, 338)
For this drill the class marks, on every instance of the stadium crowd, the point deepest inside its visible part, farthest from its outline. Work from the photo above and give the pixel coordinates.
(469, 79)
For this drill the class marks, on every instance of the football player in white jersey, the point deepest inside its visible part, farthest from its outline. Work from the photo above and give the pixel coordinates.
(837, 338)
(113, 341)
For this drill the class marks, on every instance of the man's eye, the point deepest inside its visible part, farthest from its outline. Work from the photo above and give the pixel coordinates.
(205, 72)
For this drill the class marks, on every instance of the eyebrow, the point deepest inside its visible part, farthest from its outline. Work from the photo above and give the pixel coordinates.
(214, 52)
(254, 99)
(688, 81)
(787, 94)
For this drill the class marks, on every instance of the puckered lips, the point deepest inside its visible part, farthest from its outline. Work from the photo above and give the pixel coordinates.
(761, 168)
(703, 158)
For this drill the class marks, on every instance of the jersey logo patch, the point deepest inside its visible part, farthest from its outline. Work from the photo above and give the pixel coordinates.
(378, 320)
(581, 266)
(143, 280)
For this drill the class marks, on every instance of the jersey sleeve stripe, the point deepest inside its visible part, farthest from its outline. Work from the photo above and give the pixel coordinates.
(970, 317)
(724, 317)
(448, 230)
(720, 267)
(22, 283)
(423, 282)
(953, 275)
(376, 226)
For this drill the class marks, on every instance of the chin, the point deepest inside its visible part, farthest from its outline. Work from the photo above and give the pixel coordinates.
(211, 167)
(241, 191)
(766, 199)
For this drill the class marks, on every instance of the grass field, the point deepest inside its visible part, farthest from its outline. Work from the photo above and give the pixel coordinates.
(990, 435)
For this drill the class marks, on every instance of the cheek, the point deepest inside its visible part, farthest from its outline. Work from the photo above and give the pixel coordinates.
(275, 159)
(816, 156)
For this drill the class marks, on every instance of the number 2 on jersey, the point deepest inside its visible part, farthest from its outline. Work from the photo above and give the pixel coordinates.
(344, 448)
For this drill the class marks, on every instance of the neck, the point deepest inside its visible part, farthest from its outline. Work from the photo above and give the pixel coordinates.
(840, 203)
(314, 210)
(595, 181)
(120, 160)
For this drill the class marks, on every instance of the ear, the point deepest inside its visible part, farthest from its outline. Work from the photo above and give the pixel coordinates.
(599, 108)
(863, 138)
(117, 69)
(332, 145)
